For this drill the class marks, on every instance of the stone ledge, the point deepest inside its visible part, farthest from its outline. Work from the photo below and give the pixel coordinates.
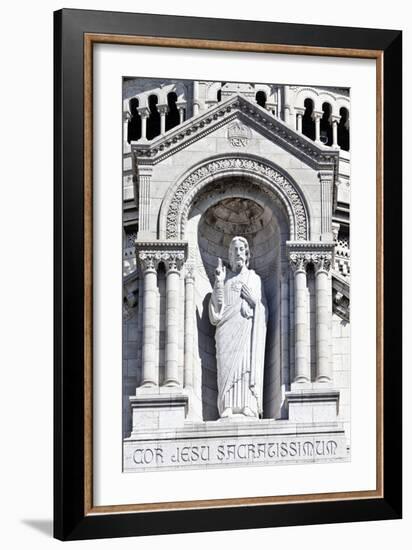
(312, 405)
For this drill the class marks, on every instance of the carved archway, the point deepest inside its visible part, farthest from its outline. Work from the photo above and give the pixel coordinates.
(271, 179)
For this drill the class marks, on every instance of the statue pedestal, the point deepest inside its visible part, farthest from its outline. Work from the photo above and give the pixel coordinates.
(312, 405)
(157, 409)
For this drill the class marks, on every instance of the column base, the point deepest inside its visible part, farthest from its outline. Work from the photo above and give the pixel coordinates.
(312, 405)
(301, 384)
(171, 384)
(157, 410)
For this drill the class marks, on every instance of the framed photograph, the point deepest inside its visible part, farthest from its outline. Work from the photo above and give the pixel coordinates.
(227, 274)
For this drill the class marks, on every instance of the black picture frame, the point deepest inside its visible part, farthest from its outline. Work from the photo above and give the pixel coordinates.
(73, 519)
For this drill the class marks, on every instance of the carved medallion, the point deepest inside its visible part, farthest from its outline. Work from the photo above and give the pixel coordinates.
(238, 134)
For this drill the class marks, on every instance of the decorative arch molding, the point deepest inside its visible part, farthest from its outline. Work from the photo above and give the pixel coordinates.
(271, 179)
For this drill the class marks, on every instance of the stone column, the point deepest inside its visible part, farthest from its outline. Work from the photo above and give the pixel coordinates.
(326, 187)
(144, 113)
(298, 263)
(286, 105)
(335, 122)
(126, 120)
(148, 263)
(195, 97)
(299, 114)
(163, 110)
(173, 262)
(279, 102)
(181, 106)
(322, 263)
(316, 116)
(189, 323)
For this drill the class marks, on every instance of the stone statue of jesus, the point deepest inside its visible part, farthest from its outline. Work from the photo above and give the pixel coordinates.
(238, 310)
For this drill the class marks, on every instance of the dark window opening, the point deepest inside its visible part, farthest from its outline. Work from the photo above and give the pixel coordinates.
(308, 124)
(135, 124)
(343, 129)
(172, 117)
(261, 99)
(326, 136)
(153, 122)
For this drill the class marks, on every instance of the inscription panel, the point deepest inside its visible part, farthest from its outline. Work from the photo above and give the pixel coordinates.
(240, 451)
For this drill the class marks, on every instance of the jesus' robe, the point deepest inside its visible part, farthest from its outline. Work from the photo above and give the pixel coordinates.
(240, 343)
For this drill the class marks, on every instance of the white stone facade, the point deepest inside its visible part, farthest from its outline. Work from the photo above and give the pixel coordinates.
(269, 163)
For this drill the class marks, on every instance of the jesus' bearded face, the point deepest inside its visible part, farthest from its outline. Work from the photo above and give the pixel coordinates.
(238, 254)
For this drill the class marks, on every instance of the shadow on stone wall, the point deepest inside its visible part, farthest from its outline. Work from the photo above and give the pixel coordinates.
(207, 354)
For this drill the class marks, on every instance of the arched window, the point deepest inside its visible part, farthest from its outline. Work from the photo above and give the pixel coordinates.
(261, 98)
(219, 92)
(153, 122)
(326, 136)
(343, 129)
(135, 124)
(172, 117)
(308, 124)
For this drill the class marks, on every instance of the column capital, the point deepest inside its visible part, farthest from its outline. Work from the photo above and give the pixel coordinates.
(148, 261)
(145, 170)
(127, 116)
(172, 253)
(181, 104)
(144, 112)
(190, 271)
(335, 230)
(335, 119)
(298, 261)
(325, 175)
(163, 109)
(319, 254)
(173, 261)
(322, 262)
(317, 115)
(300, 111)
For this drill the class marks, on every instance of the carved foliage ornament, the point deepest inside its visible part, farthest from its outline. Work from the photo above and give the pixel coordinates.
(321, 261)
(173, 260)
(248, 165)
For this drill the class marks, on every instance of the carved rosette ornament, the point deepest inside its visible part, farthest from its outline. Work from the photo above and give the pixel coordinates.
(277, 183)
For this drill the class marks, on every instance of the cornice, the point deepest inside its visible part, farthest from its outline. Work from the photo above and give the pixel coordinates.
(160, 245)
(308, 246)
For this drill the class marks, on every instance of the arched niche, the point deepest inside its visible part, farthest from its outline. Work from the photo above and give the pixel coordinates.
(226, 207)
(273, 182)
